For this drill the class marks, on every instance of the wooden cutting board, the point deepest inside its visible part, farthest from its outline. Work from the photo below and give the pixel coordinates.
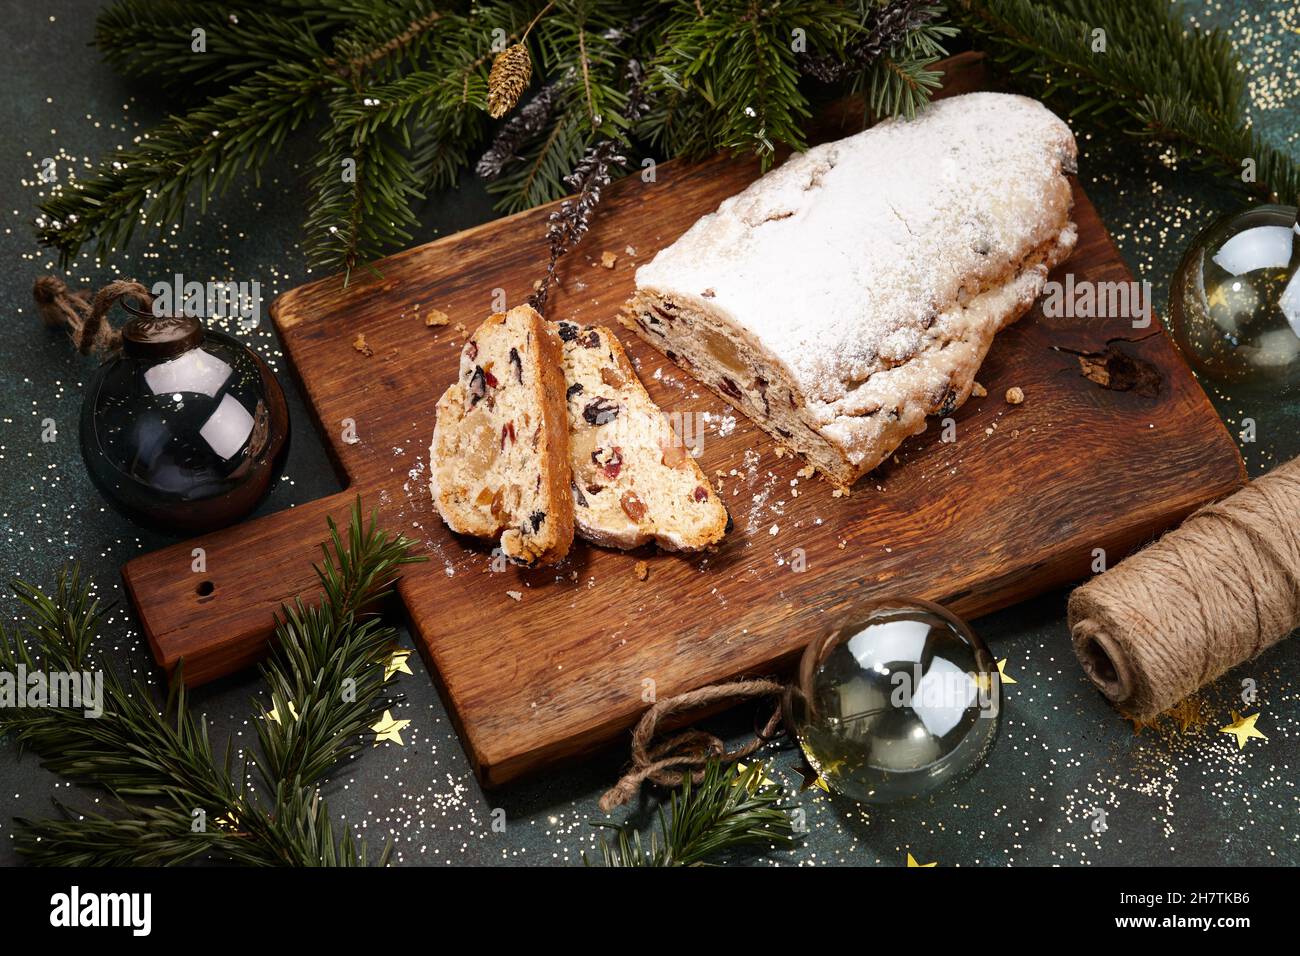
(1017, 504)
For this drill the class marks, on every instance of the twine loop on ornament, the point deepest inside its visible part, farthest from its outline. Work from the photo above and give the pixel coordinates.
(671, 761)
(85, 315)
(1209, 595)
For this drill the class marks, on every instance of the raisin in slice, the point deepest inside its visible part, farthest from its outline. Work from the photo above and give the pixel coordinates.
(600, 410)
(632, 506)
(574, 389)
(591, 340)
(578, 496)
(568, 331)
(477, 386)
(519, 365)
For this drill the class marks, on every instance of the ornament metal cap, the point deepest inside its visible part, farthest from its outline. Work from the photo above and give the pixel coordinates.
(155, 338)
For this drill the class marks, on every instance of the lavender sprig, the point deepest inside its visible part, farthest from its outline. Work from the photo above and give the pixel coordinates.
(572, 218)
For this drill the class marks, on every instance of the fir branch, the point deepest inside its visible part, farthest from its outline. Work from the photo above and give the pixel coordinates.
(729, 808)
(1172, 83)
(204, 150)
(405, 83)
(739, 59)
(325, 680)
(155, 40)
(882, 27)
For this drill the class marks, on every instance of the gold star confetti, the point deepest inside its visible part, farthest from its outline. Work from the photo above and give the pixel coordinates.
(1003, 674)
(275, 714)
(390, 729)
(759, 780)
(395, 663)
(810, 777)
(1243, 728)
(911, 863)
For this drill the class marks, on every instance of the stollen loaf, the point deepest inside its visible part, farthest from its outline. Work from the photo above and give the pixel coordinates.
(854, 290)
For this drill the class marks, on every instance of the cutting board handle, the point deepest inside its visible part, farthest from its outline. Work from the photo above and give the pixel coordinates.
(212, 600)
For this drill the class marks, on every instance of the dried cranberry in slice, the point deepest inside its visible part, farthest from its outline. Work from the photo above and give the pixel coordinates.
(615, 463)
(491, 379)
(728, 387)
(471, 350)
(701, 494)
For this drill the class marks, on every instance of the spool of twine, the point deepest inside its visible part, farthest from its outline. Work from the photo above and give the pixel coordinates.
(1209, 595)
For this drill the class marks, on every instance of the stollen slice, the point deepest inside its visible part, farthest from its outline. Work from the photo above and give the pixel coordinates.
(634, 479)
(499, 462)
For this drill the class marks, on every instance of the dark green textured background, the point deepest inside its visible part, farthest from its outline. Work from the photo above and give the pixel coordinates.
(1169, 797)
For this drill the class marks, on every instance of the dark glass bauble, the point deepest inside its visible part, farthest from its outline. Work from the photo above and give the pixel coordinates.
(187, 429)
(1234, 303)
(895, 701)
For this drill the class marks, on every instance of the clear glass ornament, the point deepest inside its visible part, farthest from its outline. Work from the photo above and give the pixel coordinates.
(1234, 303)
(897, 700)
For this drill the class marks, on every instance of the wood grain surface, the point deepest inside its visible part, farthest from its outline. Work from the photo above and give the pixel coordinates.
(1016, 505)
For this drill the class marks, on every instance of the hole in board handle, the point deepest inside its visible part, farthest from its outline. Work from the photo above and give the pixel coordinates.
(205, 589)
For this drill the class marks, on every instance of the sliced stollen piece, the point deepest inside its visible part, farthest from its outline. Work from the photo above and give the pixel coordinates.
(499, 463)
(634, 479)
(848, 294)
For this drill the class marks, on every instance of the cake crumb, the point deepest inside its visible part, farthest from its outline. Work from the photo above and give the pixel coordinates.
(978, 390)
(436, 317)
(806, 472)
(1015, 395)
(608, 259)
(842, 545)
(515, 595)
(642, 570)
(359, 343)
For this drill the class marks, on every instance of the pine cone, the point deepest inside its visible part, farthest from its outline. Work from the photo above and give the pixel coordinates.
(511, 71)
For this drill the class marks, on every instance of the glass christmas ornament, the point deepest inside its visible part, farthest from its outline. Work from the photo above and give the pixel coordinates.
(186, 429)
(1234, 303)
(895, 701)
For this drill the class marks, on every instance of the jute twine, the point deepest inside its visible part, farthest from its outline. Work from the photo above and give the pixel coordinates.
(83, 314)
(668, 763)
(1209, 595)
